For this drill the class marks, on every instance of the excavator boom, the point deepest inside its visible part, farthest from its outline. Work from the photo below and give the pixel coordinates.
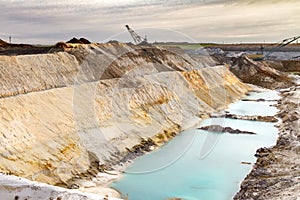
(266, 55)
(284, 43)
(137, 38)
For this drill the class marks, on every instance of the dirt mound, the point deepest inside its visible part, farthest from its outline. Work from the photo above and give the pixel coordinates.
(3, 43)
(290, 66)
(259, 73)
(79, 41)
(62, 45)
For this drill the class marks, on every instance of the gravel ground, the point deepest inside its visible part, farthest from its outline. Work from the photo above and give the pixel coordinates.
(276, 174)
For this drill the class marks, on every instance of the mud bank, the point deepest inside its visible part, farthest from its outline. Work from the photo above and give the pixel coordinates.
(220, 129)
(276, 174)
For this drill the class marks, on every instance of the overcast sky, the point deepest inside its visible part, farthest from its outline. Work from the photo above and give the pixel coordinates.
(49, 21)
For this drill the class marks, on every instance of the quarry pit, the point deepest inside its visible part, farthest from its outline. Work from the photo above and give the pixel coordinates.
(74, 116)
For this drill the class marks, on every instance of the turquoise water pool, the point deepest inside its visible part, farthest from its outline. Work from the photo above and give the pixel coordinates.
(198, 164)
(262, 108)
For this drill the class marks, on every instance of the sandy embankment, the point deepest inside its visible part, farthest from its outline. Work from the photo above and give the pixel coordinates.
(67, 116)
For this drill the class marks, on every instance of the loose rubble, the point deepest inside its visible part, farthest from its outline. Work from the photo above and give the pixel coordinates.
(276, 174)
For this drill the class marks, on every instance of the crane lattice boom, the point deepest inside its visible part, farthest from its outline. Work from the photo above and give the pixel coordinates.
(282, 44)
(137, 38)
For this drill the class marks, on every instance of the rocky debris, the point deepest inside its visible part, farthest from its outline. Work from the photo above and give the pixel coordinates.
(206, 51)
(258, 100)
(144, 146)
(220, 129)
(138, 150)
(259, 73)
(252, 118)
(291, 66)
(276, 172)
(79, 41)
(83, 179)
(246, 163)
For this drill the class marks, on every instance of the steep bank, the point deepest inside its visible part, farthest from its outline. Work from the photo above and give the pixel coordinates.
(259, 73)
(269, 74)
(276, 172)
(86, 63)
(67, 114)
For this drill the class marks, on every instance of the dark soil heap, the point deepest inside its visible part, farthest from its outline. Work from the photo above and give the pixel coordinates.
(74, 40)
(220, 129)
(259, 73)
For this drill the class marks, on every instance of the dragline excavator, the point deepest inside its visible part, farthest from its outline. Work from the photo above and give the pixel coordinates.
(282, 44)
(266, 55)
(137, 38)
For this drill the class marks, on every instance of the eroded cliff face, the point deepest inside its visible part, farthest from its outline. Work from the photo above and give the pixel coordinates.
(86, 63)
(37, 137)
(56, 110)
(32, 73)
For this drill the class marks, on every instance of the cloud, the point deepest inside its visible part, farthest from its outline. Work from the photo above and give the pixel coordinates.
(37, 21)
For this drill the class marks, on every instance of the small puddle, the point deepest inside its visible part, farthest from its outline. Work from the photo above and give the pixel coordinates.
(198, 164)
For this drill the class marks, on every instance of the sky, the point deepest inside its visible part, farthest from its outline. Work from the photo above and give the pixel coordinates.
(221, 21)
